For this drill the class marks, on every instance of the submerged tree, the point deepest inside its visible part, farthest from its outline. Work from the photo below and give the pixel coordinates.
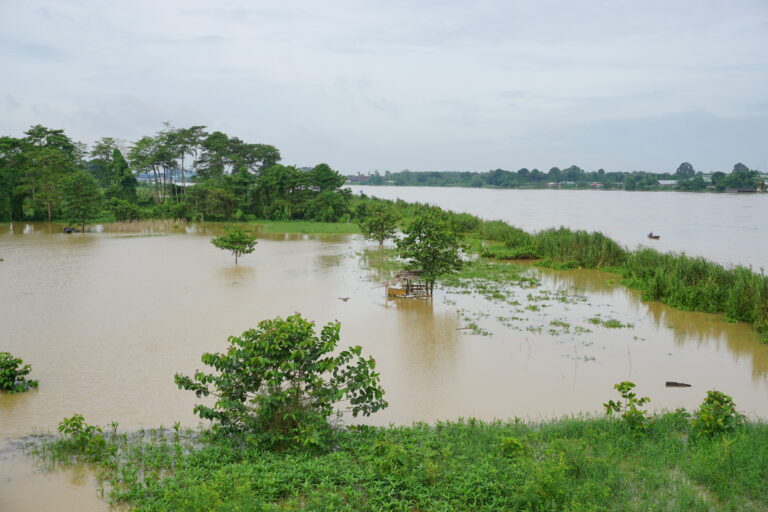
(236, 240)
(431, 247)
(282, 381)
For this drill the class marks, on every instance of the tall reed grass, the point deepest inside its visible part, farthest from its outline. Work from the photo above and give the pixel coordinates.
(145, 226)
(593, 250)
(694, 283)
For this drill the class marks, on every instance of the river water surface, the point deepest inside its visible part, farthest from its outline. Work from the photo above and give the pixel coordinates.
(106, 320)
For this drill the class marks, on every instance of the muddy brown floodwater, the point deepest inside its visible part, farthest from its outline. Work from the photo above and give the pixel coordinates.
(107, 319)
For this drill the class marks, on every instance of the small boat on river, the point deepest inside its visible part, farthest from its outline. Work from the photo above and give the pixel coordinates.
(653, 237)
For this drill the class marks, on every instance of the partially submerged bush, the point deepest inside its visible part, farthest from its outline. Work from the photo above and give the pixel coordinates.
(82, 438)
(281, 381)
(13, 373)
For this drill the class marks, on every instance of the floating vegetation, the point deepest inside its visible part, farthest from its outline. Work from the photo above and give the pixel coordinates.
(610, 323)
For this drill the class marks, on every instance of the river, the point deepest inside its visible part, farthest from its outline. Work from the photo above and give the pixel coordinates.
(106, 319)
(727, 228)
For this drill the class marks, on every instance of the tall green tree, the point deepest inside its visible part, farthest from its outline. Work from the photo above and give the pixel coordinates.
(685, 170)
(101, 163)
(82, 198)
(322, 177)
(741, 177)
(49, 156)
(430, 246)
(46, 168)
(125, 182)
(185, 142)
(12, 193)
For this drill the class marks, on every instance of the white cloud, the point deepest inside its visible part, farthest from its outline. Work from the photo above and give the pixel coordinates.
(389, 85)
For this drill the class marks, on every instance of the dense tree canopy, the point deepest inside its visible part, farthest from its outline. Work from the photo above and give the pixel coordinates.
(178, 172)
(197, 174)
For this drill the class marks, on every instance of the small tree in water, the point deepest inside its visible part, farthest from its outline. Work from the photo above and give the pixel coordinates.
(281, 381)
(430, 246)
(236, 240)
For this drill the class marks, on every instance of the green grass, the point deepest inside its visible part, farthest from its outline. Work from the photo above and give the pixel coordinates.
(570, 464)
(695, 284)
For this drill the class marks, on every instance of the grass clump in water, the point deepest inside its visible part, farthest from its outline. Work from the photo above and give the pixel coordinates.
(696, 284)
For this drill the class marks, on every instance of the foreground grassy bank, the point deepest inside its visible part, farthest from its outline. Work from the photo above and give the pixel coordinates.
(574, 464)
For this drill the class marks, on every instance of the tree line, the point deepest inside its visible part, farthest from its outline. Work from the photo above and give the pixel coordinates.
(189, 173)
(686, 178)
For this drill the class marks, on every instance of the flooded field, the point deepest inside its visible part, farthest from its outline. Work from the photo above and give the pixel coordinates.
(106, 319)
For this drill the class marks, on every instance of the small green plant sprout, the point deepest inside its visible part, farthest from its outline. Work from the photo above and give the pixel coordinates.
(629, 406)
(716, 416)
(13, 374)
(281, 382)
(236, 240)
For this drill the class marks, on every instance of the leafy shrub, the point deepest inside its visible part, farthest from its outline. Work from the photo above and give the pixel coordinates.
(83, 438)
(281, 381)
(635, 418)
(13, 373)
(716, 416)
(123, 210)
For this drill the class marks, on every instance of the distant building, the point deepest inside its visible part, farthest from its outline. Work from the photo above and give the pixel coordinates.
(667, 183)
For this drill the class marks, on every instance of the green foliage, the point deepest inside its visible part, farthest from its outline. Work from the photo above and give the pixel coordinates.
(430, 246)
(741, 177)
(13, 374)
(236, 240)
(590, 250)
(716, 416)
(82, 198)
(379, 222)
(693, 283)
(123, 210)
(80, 437)
(570, 464)
(629, 407)
(281, 382)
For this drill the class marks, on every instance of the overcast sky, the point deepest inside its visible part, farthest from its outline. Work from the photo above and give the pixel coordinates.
(423, 85)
